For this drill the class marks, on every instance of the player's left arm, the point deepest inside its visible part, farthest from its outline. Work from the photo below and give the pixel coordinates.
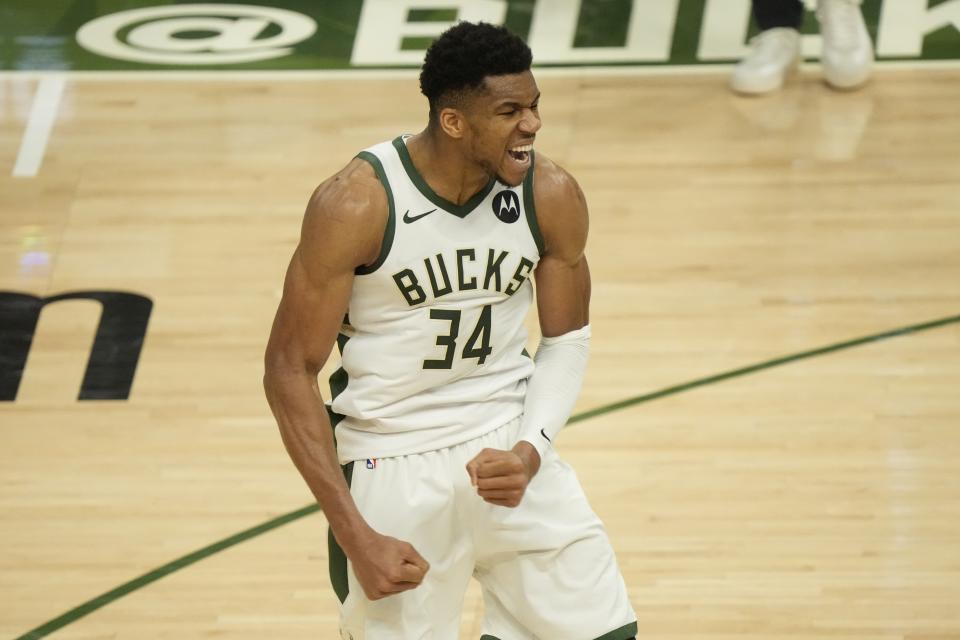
(563, 299)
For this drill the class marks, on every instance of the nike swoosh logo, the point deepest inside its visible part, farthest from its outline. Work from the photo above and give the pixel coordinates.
(545, 436)
(409, 218)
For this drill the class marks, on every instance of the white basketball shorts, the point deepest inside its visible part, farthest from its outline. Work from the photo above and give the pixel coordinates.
(546, 567)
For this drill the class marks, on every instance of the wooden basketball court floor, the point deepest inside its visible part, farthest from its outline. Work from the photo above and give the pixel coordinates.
(770, 426)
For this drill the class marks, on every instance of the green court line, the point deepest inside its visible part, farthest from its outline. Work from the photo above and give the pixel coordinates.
(180, 563)
(128, 587)
(769, 364)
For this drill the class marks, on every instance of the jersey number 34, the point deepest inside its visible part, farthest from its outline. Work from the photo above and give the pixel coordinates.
(477, 345)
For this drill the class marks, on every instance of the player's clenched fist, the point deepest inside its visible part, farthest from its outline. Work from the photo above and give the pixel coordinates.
(501, 477)
(385, 565)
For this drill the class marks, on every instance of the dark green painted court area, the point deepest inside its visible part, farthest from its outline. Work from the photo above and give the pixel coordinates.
(311, 35)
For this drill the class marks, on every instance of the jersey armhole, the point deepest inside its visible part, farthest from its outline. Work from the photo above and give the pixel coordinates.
(390, 228)
(528, 207)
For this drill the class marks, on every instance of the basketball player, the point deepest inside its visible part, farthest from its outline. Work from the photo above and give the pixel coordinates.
(416, 259)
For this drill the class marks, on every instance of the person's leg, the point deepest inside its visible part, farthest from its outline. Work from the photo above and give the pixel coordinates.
(774, 52)
(547, 567)
(847, 49)
(771, 14)
(410, 498)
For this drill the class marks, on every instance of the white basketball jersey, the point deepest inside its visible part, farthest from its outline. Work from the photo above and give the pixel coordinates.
(432, 347)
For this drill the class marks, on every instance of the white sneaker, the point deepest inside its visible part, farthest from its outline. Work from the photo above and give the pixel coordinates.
(847, 50)
(774, 53)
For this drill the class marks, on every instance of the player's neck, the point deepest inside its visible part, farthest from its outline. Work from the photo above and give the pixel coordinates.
(444, 168)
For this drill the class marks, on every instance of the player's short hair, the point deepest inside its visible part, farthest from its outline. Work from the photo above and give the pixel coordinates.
(466, 53)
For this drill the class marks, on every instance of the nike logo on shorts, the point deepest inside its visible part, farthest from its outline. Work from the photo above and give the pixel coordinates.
(408, 218)
(545, 436)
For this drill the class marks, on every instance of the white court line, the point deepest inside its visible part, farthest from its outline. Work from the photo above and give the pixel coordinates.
(43, 114)
(241, 75)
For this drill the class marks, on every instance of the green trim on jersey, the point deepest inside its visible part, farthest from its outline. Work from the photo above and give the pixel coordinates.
(528, 207)
(459, 210)
(337, 559)
(391, 227)
(338, 382)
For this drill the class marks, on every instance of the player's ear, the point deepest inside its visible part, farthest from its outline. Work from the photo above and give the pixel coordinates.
(453, 122)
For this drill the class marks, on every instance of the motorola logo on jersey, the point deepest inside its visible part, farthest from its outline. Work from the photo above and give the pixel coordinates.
(506, 206)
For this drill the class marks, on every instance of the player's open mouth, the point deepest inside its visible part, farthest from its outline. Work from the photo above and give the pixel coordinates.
(521, 154)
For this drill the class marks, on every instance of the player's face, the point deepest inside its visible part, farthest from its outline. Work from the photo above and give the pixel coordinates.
(504, 121)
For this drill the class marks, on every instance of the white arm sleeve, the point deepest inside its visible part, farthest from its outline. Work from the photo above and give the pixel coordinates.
(552, 391)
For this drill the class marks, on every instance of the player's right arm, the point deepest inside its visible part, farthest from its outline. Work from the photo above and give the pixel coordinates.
(342, 229)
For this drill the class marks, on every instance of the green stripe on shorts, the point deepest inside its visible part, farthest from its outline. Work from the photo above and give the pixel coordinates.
(337, 559)
(623, 633)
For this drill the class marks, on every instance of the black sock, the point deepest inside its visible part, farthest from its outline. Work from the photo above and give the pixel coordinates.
(778, 13)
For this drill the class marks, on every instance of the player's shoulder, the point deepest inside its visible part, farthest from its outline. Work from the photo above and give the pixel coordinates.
(352, 193)
(553, 184)
(349, 208)
(561, 209)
